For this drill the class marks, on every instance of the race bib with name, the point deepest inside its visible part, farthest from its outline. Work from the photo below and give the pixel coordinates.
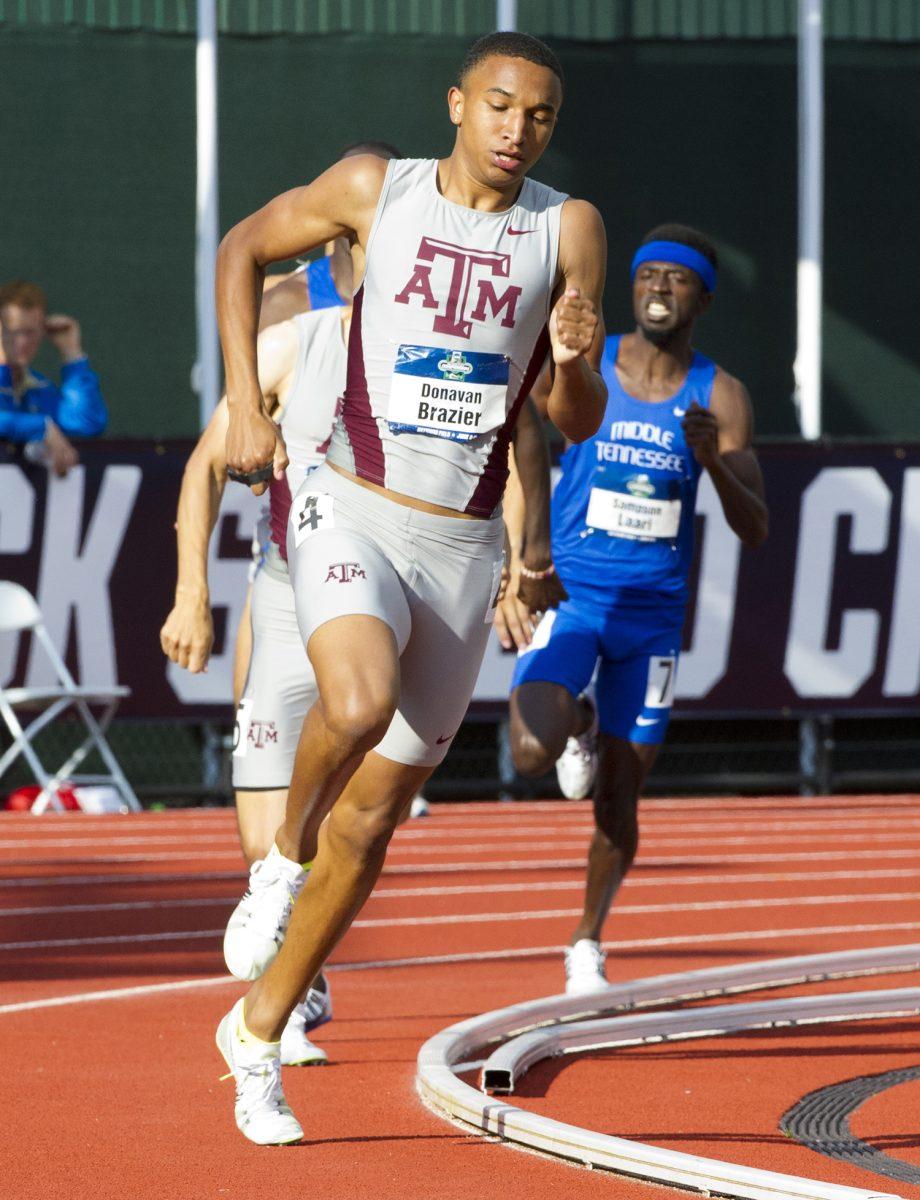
(456, 394)
(631, 506)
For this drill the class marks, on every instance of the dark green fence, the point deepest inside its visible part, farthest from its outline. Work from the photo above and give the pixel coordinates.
(99, 140)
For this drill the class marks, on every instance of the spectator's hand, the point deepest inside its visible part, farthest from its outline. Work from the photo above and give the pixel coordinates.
(188, 633)
(60, 454)
(64, 334)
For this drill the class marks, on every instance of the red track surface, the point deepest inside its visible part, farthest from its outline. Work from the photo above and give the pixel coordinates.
(120, 1097)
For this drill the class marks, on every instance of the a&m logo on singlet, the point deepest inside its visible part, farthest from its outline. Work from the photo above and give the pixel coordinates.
(471, 295)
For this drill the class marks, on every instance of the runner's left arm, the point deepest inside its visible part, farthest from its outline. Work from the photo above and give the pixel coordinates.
(576, 402)
(721, 439)
(525, 509)
(534, 550)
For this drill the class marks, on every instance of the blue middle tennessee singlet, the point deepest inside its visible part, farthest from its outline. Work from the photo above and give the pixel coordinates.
(622, 512)
(321, 286)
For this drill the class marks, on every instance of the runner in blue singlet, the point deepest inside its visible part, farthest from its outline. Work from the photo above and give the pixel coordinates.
(622, 526)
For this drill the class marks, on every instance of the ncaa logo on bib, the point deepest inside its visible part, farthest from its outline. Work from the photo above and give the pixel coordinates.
(455, 367)
(640, 485)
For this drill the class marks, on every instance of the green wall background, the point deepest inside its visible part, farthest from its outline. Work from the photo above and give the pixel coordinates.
(99, 157)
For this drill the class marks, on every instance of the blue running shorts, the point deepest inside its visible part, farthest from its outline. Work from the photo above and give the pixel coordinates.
(638, 652)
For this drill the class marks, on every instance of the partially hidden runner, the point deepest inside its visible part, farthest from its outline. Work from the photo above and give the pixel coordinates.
(302, 366)
(622, 536)
(473, 273)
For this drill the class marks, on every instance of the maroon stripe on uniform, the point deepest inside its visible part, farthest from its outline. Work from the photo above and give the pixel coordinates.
(360, 425)
(495, 473)
(279, 509)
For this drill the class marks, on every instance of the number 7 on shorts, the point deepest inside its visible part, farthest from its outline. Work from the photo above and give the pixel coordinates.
(659, 691)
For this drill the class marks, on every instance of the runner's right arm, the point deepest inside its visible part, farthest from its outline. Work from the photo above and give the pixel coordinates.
(188, 632)
(340, 203)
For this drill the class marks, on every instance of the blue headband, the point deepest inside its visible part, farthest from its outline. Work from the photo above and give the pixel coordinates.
(676, 252)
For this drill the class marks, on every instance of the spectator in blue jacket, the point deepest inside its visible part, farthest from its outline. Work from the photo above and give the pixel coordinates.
(34, 412)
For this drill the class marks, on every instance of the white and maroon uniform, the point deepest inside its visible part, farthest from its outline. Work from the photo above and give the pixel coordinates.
(447, 336)
(449, 330)
(280, 686)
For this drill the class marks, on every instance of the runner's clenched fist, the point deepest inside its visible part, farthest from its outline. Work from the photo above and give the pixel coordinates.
(572, 326)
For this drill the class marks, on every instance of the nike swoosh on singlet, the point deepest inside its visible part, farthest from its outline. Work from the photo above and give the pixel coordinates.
(518, 232)
(680, 412)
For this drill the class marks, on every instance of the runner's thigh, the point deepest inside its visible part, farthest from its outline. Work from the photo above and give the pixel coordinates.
(453, 584)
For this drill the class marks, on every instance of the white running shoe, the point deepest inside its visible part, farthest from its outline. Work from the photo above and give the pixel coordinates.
(259, 922)
(584, 967)
(576, 766)
(420, 807)
(262, 1113)
(318, 1004)
(296, 1048)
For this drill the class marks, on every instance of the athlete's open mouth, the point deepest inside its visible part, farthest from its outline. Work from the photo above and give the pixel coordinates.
(507, 162)
(657, 310)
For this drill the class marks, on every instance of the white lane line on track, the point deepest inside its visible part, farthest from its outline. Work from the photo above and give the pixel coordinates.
(115, 939)
(119, 906)
(143, 989)
(399, 852)
(558, 885)
(487, 918)
(512, 809)
(564, 885)
(700, 942)
(670, 861)
(476, 956)
(525, 838)
(625, 910)
(152, 878)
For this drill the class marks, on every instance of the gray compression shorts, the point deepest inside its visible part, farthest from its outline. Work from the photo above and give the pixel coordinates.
(433, 579)
(280, 686)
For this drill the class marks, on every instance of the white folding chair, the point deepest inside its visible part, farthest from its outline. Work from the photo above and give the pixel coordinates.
(19, 613)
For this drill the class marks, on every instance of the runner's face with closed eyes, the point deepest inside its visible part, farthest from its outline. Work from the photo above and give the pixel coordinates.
(505, 112)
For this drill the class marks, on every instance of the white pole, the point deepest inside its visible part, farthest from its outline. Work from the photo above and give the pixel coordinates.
(206, 375)
(506, 15)
(811, 217)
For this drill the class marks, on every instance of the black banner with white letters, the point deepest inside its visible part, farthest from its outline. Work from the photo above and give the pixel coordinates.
(824, 618)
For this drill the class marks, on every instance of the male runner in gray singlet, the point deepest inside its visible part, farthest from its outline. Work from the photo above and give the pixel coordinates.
(473, 274)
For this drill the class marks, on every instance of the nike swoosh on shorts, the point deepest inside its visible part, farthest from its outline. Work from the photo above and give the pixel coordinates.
(647, 720)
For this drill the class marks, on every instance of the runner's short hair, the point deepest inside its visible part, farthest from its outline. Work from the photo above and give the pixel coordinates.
(381, 149)
(511, 45)
(23, 294)
(687, 236)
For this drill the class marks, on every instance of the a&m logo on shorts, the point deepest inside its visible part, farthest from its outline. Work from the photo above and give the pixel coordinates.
(261, 734)
(344, 572)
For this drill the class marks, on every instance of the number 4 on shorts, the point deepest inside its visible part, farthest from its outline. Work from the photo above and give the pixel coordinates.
(312, 511)
(659, 691)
